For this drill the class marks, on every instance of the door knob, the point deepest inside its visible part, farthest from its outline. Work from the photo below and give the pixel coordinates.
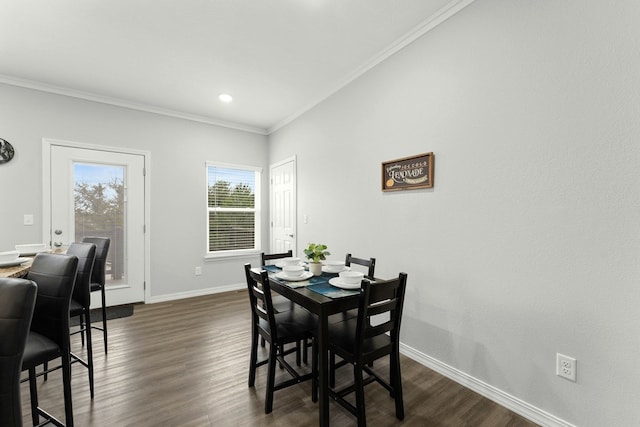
(57, 244)
(290, 235)
(58, 231)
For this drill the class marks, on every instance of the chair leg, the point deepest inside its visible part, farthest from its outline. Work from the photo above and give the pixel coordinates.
(66, 383)
(87, 331)
(332, 369)
(359, 384)
(271, 377)
(254, 356)
(396, 383)
(314, 371)
(305, 358)
(82, 327)
(104, 317)
(33, 390)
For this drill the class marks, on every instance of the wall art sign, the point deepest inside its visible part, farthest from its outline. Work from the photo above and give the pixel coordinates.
(408, 173)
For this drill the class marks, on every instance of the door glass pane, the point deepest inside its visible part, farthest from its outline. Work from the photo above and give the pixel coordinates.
(99, 209)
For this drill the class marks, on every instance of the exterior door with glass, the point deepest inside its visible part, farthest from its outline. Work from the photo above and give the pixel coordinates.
(98, 192)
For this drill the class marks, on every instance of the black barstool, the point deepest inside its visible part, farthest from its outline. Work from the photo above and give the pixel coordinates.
(48, 339)
(17, 300)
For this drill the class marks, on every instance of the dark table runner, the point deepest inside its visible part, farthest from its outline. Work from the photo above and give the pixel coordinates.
(319, 284)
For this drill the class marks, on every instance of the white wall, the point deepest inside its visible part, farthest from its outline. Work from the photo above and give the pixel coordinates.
(178, 148)
(529, 243)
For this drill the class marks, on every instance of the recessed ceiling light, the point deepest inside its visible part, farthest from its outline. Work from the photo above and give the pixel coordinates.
(225, 97)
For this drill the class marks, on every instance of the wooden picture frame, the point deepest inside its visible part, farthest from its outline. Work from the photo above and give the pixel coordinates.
(408, 173)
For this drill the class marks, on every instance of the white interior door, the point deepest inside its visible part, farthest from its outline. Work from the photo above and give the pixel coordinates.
(96, 192)
(283, 206)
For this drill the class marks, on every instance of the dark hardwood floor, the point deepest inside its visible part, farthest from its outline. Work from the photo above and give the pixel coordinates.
(185, 363)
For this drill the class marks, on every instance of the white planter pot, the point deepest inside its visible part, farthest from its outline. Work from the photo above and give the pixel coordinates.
(315, 268)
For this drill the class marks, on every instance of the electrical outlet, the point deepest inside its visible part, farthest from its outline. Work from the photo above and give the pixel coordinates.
(198, 271)
(566, 367)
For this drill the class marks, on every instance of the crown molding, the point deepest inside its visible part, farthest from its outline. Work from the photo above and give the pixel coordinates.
(43, 87)
(420, 30)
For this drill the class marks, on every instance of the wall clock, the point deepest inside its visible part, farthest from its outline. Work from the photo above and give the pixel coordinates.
(6, 151)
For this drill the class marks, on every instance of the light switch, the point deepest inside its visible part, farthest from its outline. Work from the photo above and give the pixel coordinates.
(28, 219)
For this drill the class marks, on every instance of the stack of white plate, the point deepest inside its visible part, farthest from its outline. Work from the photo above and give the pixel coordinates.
(11, 258)
(31, 249)
(330, 266)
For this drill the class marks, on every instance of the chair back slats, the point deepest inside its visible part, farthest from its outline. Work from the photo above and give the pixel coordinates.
(382, 307)
(260, 298)
(369, 264)
(262, 313)
(260, 303)
(271, 257)
(382, 328)
(383, 298)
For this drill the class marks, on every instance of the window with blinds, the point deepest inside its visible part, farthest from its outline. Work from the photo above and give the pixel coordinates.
(232, 208)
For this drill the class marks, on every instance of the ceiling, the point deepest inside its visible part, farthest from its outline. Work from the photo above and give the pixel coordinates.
(277, 58)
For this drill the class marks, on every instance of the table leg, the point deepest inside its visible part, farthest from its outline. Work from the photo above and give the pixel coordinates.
(323, 368)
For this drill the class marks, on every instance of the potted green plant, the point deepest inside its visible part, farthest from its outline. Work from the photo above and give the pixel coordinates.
(315, 253)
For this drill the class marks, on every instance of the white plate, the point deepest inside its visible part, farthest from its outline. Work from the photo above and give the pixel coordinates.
(304, 276)
(334, 270)
(338, 283)
(31, 249)
(32, 253)
(11, 263)
(281, 264)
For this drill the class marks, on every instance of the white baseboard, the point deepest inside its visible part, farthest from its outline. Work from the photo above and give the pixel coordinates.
(198, 293)
(512, 403)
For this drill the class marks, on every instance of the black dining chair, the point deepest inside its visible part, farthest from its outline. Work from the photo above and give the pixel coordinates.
(280, 303)
(48, 339)
(278, 329)
(17, 300)
(369, 264)
(81, 302)
(98, 279)
(266, 258)
(359, 343)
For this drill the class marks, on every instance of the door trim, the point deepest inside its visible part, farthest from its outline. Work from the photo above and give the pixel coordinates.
(47, 143)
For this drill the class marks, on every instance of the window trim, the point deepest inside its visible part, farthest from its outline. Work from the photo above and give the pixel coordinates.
(236, 253)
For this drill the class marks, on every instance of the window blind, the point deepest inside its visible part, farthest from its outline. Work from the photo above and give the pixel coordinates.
(232, 208)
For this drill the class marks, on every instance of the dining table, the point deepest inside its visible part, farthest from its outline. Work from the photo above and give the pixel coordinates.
(19, 270)
(322, 299)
